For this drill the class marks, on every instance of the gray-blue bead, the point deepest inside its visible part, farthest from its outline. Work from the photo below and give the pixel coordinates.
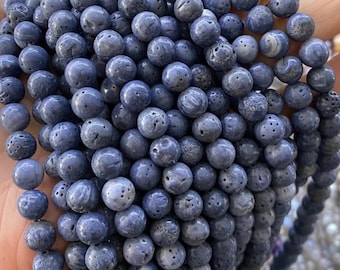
(259, 19)
(321, 79)
(188, 205)
(270, 130)
(283, 176)
(220, 154)
(174, 261)
(305, 120)
(262, 74)
(281, 154)
(246, 48)
(215, 203)
(288, 69)
(314, 52)
(192, 102)
(28, 174)
(14, 117)
(232, 179)
(75, 255)
(40, 235)
(107, 162)
(82, 196)
(48, 260)
(223, 227)
(191, 150)
(66, 225)
(177, 179)
(259, 177)
(32, 204)
(241, 203)
(118, 193)
(139, 250)
(204, 177)
(165, 151)
(64, 136)
(233, 126)
(265, 199)
(152, 122)
(72, 165)
(283, 8)
(198, 257)
(9, 65)
(300, 27)
(195, 232)
(207, 127)
(253, 107)
(102, 256)
(11, 90)
(328, 104)
(92, 228)
(274, 44)
(165, 232)
(237, 82)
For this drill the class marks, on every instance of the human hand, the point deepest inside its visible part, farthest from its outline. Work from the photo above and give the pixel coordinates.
(14, 254)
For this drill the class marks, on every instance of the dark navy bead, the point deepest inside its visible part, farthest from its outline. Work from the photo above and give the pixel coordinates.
(329, 162)
(94, 19)
(300, 27)
(223, 227)
(66, 225)
(321, 79)
(314, 53)
(264, 200)
(244, 5)
(107, 162)
(307, 157)
(185, 52)
(274, 44)
(324, 179)
(244, 222)
(176, 76)
(102, 256)
(201, 76)
(186, 11)
(148, 73)
(224, 256)
(220, 154)
(241, 203)
(145, 174)
(80, 72)
(11, 90)
(205, 31)
(275, 101)
(191, 150)
(233, 126)
(199, 256)
(172, 256)
(64, 136)
(146, 25)
(165, 232)
(32, 204)
(262, 74)
(72, 165)
(20, 145)
(195, 232)
(259, 19)
(188, 205)
(130, 222)
(108, 43)
(120, 69)
(177, 179)
(48, 260)
(33, 58)
(246, 48)
(170, 27)
(58, 194)
(161, 97)
(218, 101)
(135, 95)
(178, 124)
(6, 29)
(221, 55)
(328, 104)
(122, 118)
(40, 235)
(43, 138)
(330, 127)
(134, 48)
(14, 117)
(237, 82)
(215, 203)
(288, 69)
(204, 177)
(192, 102)
(259, 177)
(231, 25)
(8, 45)
(305, 120)
(92, 228)
(247, 152)
(157, 203)
(283, 176)
(207, 128)
(298, 95)
(75, 255)
(120, 23)
(283, 8)
(110, 91)
(118, 193)
(133, 145)
(258, 104)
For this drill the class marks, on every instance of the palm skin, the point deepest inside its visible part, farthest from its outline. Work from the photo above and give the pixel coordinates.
(14, 254)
